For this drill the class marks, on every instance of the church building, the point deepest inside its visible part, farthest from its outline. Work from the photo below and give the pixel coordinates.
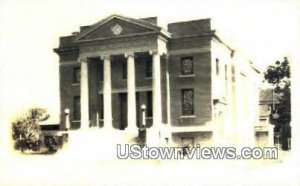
(182, 83)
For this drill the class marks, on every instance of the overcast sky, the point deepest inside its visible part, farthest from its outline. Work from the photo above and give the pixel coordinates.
(264, 30)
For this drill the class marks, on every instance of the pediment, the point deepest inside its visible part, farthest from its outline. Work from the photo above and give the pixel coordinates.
(117, 26)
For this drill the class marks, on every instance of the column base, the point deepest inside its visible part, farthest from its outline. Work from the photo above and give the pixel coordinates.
(107, 126)
(134, 132)
(153, 138)
(93, 145)
(131, 135)
(107, 129)
(83, 129)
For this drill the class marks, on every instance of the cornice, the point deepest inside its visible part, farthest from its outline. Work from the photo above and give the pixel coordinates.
(116, 37)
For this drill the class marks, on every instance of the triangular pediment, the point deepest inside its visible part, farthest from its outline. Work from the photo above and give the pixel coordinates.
(117, 26)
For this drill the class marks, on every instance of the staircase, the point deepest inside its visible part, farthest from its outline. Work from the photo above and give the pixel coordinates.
(94, 143)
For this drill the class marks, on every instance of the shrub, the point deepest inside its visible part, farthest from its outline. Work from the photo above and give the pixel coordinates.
(51, 143)
(26, 132)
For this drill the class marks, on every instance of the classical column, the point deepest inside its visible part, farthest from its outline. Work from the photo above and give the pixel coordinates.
(84, 93)
(167, 137)
(153, 133)
(107, 93)
(156, 88)
(168, 89)
(131, 100)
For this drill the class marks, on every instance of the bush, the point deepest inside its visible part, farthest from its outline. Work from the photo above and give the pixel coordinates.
(23, 144)
(51, 143)
(26, 132)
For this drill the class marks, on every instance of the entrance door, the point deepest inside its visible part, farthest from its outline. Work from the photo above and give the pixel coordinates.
(187, 143)
(138, 110)
(123, 110)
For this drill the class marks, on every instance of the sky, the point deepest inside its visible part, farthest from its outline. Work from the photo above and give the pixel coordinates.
(265, 31)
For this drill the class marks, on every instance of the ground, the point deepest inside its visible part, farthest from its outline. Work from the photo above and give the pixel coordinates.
(61, 169)
(82, 164)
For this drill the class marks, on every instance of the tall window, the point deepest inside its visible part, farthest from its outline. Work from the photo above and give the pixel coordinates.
(76, 108)
(225, 72)
(187, 101)
(226, 79)
(232, 74)
(187, 66)
(101, 106)
(149, 104)
(187, 141)
(217, 66)
(148, 67)
(76, 75)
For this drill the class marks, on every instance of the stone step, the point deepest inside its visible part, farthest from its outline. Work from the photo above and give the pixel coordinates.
(96, 144)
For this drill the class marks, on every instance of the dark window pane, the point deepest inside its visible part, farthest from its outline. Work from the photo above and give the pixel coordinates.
(149, 104)
(226, 72)
(226, 79)
(187, 102)
(76, 75)
(187, 66)
(217, 66)
(76, 108)
(101, 106)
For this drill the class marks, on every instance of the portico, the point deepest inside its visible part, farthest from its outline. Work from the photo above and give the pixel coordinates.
(130, 90)
(130, 48)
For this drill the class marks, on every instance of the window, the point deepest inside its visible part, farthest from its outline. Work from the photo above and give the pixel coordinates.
(76, 75)
(124, 70)
(149, 104)
(226, 80)
(187, 66)
(186, 143)
(76, 108)
(148, 67)
(187, 101)
(217, 66)
(101, 108)
(232, 74)
(226, 72)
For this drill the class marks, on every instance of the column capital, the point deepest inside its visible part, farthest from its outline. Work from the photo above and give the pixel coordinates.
(82, 59)
(153, 52)
(156, 52)
(129, 54)
(105, 57)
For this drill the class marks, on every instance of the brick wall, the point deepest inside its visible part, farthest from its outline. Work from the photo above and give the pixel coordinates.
(189, 28)
(201, 82)
(68, 91)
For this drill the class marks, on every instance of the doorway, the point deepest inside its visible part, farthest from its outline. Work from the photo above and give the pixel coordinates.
(123, 111)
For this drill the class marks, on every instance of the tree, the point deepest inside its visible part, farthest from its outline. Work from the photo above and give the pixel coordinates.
(26, 132)
(278, 75)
